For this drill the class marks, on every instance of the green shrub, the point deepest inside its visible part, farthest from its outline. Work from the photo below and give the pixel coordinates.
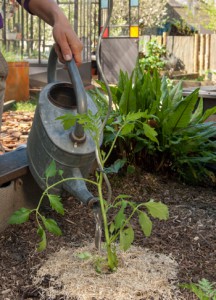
(170, 132)
(154, 56)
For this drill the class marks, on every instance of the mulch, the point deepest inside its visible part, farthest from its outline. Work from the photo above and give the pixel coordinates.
(189, 235)
(15, 129)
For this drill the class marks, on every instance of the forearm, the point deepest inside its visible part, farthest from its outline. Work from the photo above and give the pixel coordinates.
(47, 10)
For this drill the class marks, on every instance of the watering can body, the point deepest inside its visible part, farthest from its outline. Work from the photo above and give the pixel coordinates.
(48, 141)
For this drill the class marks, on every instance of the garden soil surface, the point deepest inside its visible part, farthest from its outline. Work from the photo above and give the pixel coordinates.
(182, 249)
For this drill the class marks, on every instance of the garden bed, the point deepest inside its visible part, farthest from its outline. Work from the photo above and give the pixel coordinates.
(186, 242)
(188, 237)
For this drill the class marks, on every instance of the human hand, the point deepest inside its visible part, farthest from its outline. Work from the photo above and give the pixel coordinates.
(67, 44)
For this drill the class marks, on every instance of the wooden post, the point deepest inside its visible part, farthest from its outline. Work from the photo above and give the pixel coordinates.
(159, 39)
(207, 55)
(164, 38)
(202, 54)
(196, 53)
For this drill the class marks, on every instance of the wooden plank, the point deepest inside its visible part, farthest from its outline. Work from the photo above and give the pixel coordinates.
(13, 165)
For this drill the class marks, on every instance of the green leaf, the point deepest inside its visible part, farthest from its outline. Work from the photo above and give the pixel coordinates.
(145, 223)
(180, 116)
(43, 243)
(120, 216)
(128, 100)
(128, 128)
(132, 117)
(20, 216)
(60, 172)
(196, 290)
(126, 238)
(123, 196)
(51, 170)
(176, 93)
(150, 132)
(114, 168)
(197, 115)
(157, 210)
(68, 120)
(56, 204)
(130, 169)
(52, 226)
(84, 255)
(209, 112)
(112, 228)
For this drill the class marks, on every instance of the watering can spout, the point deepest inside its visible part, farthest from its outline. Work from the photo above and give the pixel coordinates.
(78, 189)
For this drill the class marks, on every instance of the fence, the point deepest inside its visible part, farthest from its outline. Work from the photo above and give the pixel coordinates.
(30, 37)
(197, 53)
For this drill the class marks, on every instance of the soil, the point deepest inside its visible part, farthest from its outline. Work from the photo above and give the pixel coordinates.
(188, 236)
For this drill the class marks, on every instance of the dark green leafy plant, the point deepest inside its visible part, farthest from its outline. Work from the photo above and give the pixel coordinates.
(204, 289)
(171, 133)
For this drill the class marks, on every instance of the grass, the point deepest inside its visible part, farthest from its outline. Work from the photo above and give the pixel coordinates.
(29, 105)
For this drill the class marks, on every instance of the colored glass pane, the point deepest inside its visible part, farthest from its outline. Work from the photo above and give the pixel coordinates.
(134, 2)
(134, 31)
(104, 3)
(106, 32)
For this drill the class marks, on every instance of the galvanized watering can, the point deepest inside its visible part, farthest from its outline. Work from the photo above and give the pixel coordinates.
(73, 150)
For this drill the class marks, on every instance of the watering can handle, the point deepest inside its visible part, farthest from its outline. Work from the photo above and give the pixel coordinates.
(78, 134)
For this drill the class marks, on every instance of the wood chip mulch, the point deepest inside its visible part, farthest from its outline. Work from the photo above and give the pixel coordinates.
(15, 129)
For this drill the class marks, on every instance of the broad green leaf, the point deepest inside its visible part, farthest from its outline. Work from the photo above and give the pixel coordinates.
(157, 210)
(131, 117)
(114, 168)
(51, 170)
(52, 226)
(197, 115)
(120, 217)
(84, 255)
(126, 238)
(112, 227)
(56, 204)
(209, 112)
(122, 80)
(150, 132)
(68, 120)
(176, 93)
(20, 216)
(43, 243)
(128, 128)
(181, 115)
(145, 223)
(128, 100)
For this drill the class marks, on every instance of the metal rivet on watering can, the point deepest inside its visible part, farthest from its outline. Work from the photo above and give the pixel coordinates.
(72, 150)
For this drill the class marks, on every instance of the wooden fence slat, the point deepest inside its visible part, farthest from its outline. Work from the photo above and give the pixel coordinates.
(196, 52)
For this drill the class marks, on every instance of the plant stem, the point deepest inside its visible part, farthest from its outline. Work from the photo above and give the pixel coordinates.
(110, 255)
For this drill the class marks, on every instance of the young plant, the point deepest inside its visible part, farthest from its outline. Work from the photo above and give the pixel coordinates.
(119, 227)
(204, 289)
